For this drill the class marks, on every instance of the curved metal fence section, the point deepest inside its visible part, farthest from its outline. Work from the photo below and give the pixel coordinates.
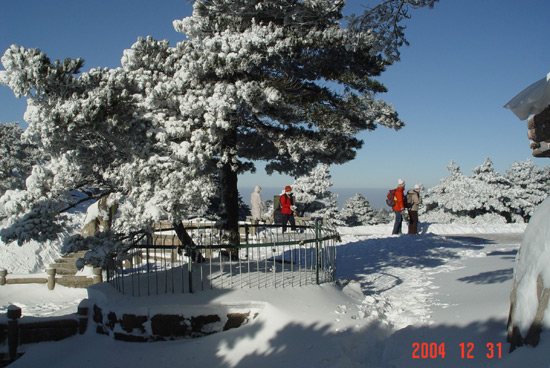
(266, 258)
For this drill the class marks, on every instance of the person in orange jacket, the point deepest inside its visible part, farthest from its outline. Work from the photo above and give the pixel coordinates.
(287, 208)
(398, 207)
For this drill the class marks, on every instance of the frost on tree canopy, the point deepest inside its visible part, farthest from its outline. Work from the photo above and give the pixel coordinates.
(277, 81)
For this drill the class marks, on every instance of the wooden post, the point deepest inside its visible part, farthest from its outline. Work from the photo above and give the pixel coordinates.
(14, 313)
(51, 277)
(3, 273)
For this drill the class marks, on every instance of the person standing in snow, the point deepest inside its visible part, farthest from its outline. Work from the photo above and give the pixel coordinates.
(257, 208)
(398, 206)
(287, 208)
(414, 199)
(256, 203)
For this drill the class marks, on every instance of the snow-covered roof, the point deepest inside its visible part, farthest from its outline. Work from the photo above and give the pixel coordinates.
(532, 100)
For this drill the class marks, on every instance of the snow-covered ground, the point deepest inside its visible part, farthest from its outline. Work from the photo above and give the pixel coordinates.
(397, 297)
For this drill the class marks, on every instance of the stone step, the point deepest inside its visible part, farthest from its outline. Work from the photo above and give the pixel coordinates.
(67, 264)
(76, 255)
(64, 268)
(65, 260)
(74, 281)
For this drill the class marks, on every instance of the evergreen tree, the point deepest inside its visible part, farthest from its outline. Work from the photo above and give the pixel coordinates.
(357, 211)
(531, 187)
(444, 196)
(382, 216)
(257, 72)
(312, 195)
(107, 130)
(484, 195)
(16, 157)
(492, 191)
(276, 80)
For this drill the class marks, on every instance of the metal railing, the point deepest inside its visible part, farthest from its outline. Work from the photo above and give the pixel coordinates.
(266, 258)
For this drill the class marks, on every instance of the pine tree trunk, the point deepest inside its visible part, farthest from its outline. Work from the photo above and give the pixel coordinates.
(229, 196)
(187, 243)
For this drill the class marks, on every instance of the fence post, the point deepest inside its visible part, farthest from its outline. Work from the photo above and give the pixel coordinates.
(3, 273)
(190, 274)
(317, 237)
(51, 277)
(14, 313)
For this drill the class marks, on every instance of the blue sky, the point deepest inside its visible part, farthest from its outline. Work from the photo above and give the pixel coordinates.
(466, 59)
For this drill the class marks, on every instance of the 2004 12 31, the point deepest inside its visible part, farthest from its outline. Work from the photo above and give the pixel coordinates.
(434, 350)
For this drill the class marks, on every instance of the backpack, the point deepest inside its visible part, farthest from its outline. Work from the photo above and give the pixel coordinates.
(408, 200)
(389, 199)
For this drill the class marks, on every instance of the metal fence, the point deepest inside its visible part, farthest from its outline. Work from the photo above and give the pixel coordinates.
(266, 258)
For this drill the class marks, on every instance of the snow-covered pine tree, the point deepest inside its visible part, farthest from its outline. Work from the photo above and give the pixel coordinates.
(451, 200)
(382, 216)
(276, 80)
(531, 187)
(356, 211)
(107, 130)
(312, 195)
(283, 82)
(492, 190)
(443, 200)
(482, 196)
(16, 157)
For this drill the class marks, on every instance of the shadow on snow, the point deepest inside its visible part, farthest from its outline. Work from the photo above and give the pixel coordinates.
(423, 252)
(492, 277)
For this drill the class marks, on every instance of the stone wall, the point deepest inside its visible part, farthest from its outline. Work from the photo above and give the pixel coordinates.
(164, 326)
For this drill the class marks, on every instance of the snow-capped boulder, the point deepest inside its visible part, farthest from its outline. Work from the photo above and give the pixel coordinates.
(529, 310)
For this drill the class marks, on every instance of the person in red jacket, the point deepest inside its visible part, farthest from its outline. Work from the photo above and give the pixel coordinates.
(398, 207)
(287, 208)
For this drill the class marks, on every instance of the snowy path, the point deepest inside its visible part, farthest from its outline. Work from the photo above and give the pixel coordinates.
(435, 289)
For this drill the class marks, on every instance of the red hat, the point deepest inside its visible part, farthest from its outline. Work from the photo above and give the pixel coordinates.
(288, 188)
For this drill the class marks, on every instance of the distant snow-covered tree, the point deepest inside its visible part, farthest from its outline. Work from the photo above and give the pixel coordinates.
(312, 195)
(492, 190)
(357, 211)
(382, 216)
(531, 187)
(447, 196)
(483, 195)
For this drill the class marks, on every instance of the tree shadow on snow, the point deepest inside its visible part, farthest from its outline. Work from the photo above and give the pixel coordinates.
(481, 343)
(423, 252)
(476, 240)
(493, 277)
(506, 254)
(295, 345)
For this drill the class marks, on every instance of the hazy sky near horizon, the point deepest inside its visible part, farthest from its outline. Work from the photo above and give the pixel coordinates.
(466, 59)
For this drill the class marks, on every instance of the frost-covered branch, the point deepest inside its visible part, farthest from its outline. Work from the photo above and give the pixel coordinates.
(385, 20)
